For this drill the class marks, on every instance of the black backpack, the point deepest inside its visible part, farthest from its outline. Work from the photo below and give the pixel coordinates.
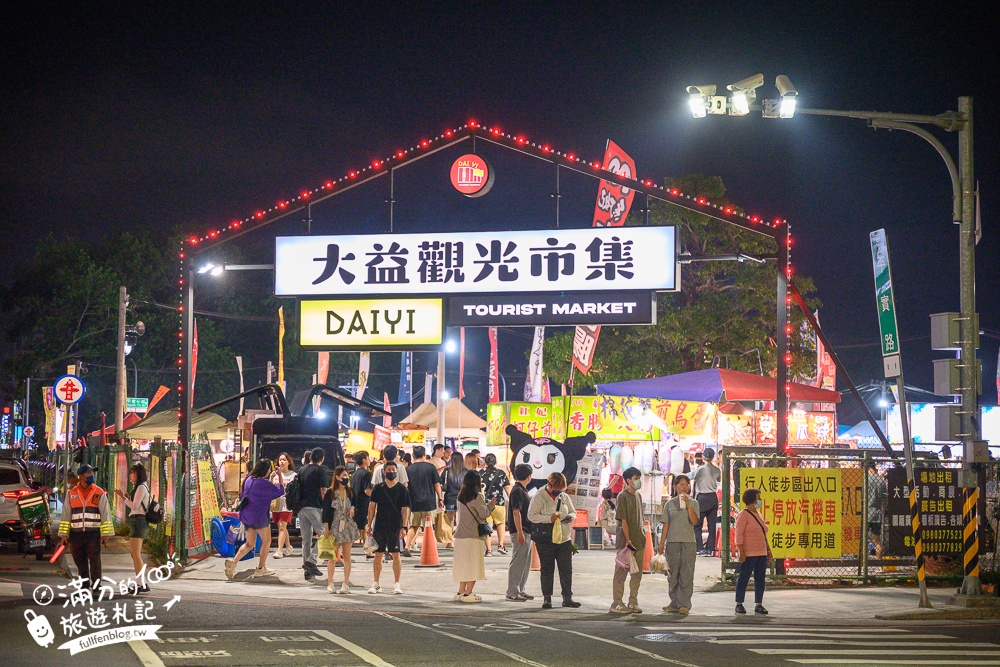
(154, 512)
(293, 494)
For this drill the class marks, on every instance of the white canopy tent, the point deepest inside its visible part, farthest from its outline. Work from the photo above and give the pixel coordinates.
(459, 421)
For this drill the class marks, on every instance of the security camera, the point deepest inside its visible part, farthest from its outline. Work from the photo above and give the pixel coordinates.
(785, 86)
(701, 90)
(748, 84)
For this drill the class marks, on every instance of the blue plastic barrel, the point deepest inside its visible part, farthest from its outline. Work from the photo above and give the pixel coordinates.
(220, 527)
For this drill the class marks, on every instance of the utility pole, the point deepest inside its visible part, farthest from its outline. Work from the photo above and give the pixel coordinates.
(120, 363)
(440, 398)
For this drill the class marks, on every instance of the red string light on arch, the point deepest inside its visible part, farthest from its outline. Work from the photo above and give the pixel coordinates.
(496, 133)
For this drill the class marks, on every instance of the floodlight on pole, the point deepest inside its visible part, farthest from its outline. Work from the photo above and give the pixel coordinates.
(205, 269)
(449, 346)
(700, 99)
(217, 271)
(788, 95)
(743, 93)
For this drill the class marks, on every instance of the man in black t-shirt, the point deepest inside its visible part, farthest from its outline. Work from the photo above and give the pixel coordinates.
(359, 483)
(425, 494)
(387, 514)
(495, 485)
(313, 480)
(520, 535)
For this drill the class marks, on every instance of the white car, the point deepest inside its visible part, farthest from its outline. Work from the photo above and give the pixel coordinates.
(14, 483)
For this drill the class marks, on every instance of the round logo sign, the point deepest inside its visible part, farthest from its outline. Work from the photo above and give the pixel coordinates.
(471, 175)
(29, 431)
(69, 389)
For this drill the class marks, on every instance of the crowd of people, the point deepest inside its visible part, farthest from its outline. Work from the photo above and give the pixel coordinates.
(382, 506)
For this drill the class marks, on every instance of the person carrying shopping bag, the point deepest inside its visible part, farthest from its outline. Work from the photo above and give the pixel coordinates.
(680, 515)
(552, 513)
(631, 536)
(256, 499)
(339, 526)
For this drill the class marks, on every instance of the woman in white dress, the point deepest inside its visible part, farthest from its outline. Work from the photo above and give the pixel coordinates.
(470, 562)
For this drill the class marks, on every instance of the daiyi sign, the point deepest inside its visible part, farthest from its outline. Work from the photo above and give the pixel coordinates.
(472, 175)
(558, 260)
(359, 324)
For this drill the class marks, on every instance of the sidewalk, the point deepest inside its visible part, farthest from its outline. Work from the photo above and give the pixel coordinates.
(432, 590)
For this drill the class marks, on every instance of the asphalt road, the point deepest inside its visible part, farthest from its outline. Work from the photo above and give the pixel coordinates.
(382, 631)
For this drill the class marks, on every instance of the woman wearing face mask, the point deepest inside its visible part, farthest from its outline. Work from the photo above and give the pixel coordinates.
(680, 514)
(755, 551)
(338, 520)
(551, 505)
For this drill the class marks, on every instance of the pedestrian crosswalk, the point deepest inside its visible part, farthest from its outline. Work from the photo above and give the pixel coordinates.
(811, 645)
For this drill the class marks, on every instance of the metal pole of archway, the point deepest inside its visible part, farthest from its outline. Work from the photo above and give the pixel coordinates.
(185, 405)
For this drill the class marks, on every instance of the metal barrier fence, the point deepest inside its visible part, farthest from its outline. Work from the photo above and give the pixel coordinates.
(824, 541)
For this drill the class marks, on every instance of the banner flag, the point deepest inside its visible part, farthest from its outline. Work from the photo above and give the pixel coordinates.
(387, 406)
(611, 210)
(363, 368)
(194, 361)
(405, 378)
(826, 370)
(494, 371)
(533, 391)
(281, 347)
(461, 363)
(546, 390)
(160, 393)
(322, 367)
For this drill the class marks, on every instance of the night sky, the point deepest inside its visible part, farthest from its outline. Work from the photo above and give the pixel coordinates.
(148, 115)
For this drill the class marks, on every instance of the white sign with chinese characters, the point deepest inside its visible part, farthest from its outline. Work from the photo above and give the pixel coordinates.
(563, 260)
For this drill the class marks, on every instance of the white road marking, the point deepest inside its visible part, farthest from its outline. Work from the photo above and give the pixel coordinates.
(512, 656)
(868, 651)
(362, 653)
(634, 649)
(818, 634)
(865, 661)
(146, 655)
(838, 642)
(715, 629)
(10, 590)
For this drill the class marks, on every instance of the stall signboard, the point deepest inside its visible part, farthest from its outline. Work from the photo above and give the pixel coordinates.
(626, 418)
(735, 429)
(586, 488)
(382, 437)
(496, 422)
(802, 508)
(539, 420)
(853, 515)
(209, 500)
(804, 428)
(556, 260)
(364, 324)
(941, 519)
(552, 309)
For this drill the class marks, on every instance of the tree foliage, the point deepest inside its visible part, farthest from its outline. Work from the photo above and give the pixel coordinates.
(724, 313)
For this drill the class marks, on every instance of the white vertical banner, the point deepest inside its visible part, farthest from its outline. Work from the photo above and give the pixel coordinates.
(535, 366)
(239, 365)
(428, 387)
(363, 368)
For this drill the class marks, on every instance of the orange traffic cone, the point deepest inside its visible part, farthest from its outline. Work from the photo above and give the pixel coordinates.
(429, 549)
(536, 565)
(647, 555)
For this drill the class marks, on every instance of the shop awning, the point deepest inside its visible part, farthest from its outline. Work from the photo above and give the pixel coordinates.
(715, 385)
(459, 420)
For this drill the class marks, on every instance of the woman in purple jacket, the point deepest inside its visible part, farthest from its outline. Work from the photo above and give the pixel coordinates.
(256, 517)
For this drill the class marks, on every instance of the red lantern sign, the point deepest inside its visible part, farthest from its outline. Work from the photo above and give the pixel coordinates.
(471, 175)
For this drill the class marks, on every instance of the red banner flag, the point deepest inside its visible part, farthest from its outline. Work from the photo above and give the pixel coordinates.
(461, 363)
(194, 359)
(387, 406)
(323, 368)
(494, 372)
(611, 210)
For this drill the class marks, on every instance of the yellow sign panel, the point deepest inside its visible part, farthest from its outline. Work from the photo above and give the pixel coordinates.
(802, 508)
(356, 324)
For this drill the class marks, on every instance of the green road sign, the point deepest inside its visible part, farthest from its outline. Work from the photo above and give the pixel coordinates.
(136, 404)
(883, 294)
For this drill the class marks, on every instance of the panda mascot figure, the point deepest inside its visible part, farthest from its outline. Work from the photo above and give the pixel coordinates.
(547, 456)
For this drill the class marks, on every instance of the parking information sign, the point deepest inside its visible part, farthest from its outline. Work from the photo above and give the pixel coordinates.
(886, 304)
(69, 389)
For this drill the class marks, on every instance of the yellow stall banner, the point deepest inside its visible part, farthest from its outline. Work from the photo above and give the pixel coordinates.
(208, 498)
(802, 508)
